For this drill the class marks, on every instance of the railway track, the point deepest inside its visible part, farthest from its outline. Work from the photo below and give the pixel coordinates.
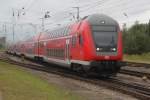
(135, 73)
(140, 91)
(136, 64)
(136, 90)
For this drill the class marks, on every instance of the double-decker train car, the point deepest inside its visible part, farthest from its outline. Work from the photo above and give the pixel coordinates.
(93, 44)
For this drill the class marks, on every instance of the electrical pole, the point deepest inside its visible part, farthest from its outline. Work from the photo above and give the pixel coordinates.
(4, 28)
(78, 13)
(19, 13)
(13, 23)
(5, 34)
(13, 33)
(43, 27)
(46, 15)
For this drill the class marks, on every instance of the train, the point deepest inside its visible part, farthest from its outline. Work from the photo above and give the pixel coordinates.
(91, 45)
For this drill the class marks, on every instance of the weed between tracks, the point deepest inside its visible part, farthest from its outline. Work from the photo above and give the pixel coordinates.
(17, 84)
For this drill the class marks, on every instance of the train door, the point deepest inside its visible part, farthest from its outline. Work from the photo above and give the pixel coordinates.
(67, 51)
(36, 51)
(77, 47)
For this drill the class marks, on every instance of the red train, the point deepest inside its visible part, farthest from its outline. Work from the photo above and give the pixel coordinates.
(93, 44)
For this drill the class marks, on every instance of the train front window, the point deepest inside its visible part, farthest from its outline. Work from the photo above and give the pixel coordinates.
(105, 37)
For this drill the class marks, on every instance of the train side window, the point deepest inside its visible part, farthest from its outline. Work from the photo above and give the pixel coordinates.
(47, 52)
(80, 39)
(74, 39)
(41, 44)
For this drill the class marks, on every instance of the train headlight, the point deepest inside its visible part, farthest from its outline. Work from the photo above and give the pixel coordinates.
(97, 49)
(113, 49)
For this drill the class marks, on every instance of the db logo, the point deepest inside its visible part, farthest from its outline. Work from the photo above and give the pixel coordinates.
(107, 57)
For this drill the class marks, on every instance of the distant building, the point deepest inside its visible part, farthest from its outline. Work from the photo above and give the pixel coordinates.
(2, 41)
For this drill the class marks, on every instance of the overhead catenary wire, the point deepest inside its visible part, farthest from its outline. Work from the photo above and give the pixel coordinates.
(72, 10)
(119, 13)
(84, 8)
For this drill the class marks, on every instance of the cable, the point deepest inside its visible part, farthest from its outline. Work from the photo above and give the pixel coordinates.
(89, 6)
(30, 5)
(115, 13)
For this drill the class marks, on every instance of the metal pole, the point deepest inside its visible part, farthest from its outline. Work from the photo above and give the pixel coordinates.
(13, 21)
(13, 32)
(43, 27)
(78, 13)
(46, 15)
(5, 30)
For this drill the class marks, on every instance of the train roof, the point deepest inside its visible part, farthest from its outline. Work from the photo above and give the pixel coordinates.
(94, 19)
(101, 19)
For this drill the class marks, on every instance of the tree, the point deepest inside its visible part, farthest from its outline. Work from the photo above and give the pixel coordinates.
(148, 28)
(135, 39)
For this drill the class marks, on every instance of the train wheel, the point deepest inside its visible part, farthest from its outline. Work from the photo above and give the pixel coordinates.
(79, 69)
(22, 58)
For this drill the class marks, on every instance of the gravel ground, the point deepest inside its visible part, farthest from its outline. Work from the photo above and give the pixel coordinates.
(86, 90)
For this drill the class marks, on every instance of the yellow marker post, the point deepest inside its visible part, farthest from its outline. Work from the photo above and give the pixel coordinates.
(144, 78)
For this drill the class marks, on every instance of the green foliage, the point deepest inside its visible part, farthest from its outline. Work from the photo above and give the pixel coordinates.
(136, 39)
(148, 28)
(0, 46)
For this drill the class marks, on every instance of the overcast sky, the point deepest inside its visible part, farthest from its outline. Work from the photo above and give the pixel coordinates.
(60, 9)
(124, 11)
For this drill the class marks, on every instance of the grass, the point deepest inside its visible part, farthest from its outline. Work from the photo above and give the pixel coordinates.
(144, 58)
(17, 84)
(2, 49)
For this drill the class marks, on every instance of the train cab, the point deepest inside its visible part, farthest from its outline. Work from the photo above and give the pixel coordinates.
(98, 44)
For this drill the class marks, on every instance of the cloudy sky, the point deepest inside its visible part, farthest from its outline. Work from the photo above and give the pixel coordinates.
(62, 11)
